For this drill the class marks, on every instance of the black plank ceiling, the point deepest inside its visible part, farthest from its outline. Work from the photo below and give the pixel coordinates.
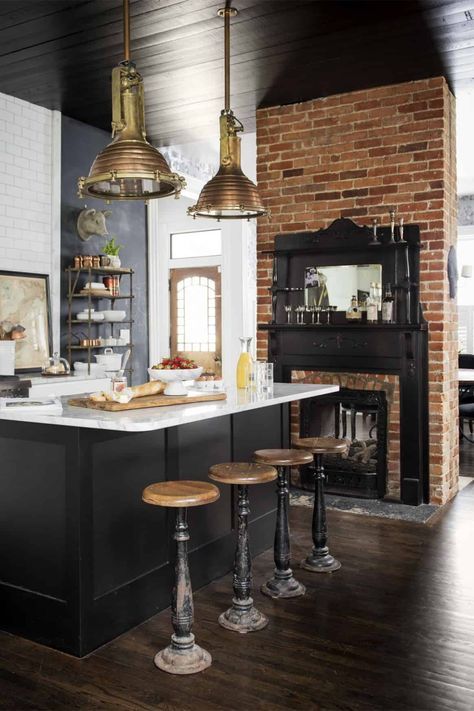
(59, 54)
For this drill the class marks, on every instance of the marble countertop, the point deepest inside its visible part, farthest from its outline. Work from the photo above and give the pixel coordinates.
(161, 417)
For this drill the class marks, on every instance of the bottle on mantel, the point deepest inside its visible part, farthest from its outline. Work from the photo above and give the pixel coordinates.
(354, 313)
(372, 304)
(387, 305)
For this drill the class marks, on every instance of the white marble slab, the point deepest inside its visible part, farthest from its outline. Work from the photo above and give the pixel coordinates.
(160, 417)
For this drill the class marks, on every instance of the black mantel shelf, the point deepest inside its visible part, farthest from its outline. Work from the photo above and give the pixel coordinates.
(337, 327)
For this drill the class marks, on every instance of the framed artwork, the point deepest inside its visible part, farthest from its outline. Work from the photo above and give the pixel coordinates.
(24, 299)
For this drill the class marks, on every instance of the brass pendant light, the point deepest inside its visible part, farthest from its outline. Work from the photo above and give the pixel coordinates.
(129, 168)
(229, 195)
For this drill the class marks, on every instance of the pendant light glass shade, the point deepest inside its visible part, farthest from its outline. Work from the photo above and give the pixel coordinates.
(229, 195)
(129, 168)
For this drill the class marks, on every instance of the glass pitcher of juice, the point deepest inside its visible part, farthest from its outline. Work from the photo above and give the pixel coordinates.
(244, 363)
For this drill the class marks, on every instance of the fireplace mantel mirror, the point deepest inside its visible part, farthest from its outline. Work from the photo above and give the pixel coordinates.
(335, 286)
(324, 270)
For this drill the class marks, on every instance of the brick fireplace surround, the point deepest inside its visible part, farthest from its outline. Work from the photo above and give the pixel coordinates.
(355, 155)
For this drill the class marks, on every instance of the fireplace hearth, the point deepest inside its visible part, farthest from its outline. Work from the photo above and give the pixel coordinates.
(362, 472)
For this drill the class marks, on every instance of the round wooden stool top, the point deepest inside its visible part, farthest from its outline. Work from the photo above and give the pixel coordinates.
(180, 493)
(321, 445)
(283, 457)
(242, 473)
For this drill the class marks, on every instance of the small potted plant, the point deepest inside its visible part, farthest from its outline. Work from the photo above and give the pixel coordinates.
(111, 251)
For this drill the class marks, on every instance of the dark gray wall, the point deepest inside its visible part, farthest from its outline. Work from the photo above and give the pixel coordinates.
(80, 145)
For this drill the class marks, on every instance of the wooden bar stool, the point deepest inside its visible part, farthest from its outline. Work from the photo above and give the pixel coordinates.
(320, 560)
(242, 616)
(283, 583)
(182, 656)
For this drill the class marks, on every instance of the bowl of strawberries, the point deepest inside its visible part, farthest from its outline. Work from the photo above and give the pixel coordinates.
(174, 371)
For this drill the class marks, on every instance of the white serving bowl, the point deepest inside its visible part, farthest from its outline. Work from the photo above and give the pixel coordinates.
(80, 368)
(94, 285)
(112, 315)
(170, 376)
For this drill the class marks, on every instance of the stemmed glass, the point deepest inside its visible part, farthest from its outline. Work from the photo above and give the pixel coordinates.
(299, 314)
(288, 310)
(308, 309)
(318, 310)
(313, 311)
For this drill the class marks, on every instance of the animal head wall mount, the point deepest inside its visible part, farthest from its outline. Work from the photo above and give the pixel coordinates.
(91, 222)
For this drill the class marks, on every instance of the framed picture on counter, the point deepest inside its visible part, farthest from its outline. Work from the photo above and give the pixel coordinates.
(24, 300)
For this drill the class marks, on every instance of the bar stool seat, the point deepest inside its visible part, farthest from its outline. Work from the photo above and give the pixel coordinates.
(283, 457)
(182, 656)
(242, 616)
(320, 560)
(283, 583)
(175, 494)
(242, 473)
(321, 445)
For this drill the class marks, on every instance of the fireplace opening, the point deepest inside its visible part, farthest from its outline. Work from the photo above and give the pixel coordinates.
(360, 416)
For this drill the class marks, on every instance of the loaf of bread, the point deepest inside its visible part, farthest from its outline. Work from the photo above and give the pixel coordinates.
(154, 387)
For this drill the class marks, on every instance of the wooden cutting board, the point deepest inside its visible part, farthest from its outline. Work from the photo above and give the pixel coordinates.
(148, 401)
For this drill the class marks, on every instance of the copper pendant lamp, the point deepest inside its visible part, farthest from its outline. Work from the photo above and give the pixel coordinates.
(229, 195)
(129, 168)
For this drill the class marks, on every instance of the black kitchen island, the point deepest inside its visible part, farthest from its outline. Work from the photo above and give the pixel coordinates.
(82, 558)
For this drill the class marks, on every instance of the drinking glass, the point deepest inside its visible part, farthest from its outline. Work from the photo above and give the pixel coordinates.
(263, 378)
(288, 310)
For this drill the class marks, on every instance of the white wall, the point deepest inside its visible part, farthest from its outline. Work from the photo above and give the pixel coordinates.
(30, 193)
(239, 288)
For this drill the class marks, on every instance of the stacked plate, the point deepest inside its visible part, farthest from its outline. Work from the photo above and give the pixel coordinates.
(95, 288)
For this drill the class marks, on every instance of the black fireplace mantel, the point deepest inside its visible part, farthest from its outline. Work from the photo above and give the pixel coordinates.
(400, 349)
(397, 350)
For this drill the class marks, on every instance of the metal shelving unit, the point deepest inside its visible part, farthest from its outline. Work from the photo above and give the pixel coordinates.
(75, 277)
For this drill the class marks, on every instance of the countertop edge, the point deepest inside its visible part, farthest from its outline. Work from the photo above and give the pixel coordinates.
(94, 419)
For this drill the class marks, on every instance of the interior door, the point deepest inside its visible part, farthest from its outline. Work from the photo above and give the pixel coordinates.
(195, 301)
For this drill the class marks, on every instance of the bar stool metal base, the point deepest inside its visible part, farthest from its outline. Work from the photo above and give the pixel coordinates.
(183, 656)
(325, 563)
(243, 617)
(283, 587)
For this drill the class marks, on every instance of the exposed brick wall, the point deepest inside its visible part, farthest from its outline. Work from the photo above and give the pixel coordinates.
(354, 155)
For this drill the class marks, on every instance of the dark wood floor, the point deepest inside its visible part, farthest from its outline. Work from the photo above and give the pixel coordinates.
(393, 629)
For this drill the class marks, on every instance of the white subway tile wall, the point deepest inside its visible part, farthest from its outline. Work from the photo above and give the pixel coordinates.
(25, 186)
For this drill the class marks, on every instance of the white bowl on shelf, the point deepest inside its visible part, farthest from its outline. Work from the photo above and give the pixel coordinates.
(109, 360)
(94, 316)
(80, 368)
(112, 315)
(94, 286)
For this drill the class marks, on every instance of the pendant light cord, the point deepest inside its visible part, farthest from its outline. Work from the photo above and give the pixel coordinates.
(126, 30)
(227, 57)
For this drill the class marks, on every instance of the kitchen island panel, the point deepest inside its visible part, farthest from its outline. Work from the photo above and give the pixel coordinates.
(252, 433)
(130, 539)
(200, 445)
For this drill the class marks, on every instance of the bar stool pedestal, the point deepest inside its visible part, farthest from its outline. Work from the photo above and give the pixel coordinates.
(283, 583)
(320, 560)
(242, 616)
(183, 655)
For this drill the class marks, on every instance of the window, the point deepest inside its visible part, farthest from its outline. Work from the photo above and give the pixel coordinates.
(196, 314)
(186, 245)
